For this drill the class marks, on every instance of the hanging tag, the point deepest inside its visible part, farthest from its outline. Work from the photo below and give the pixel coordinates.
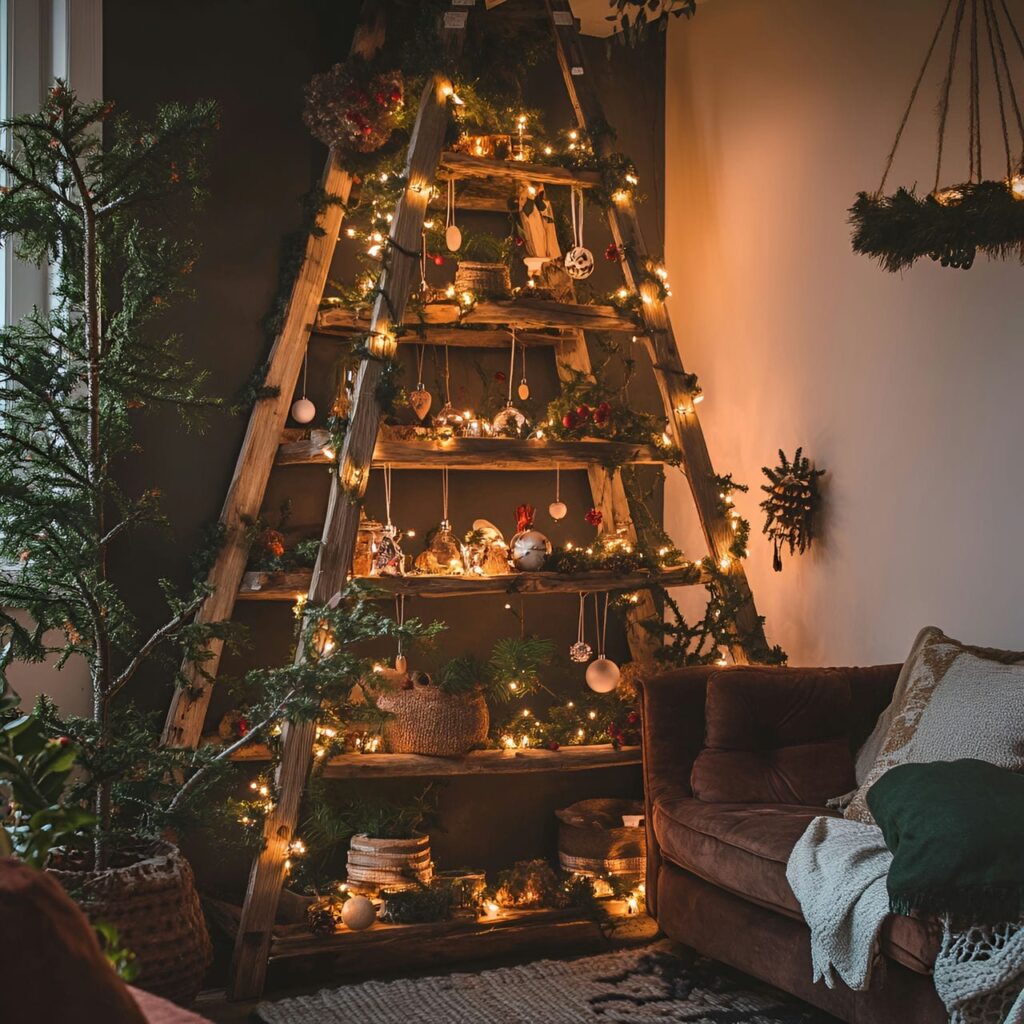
(455, 19)
(577, 71)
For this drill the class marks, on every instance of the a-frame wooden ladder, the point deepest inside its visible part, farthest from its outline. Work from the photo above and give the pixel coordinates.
(188, 711)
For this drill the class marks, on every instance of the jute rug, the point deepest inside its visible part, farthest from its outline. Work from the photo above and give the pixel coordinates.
(647, 986)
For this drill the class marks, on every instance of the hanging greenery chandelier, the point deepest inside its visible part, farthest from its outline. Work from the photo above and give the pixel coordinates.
(953, 222)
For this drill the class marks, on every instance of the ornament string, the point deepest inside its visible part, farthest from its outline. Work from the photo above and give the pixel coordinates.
(558, 481)
(601, 625)
(400, 618)
(996, 71)
(946, 84)
(449, 209)
(387, 492)
(580, 631)
(305, 370)
(511, 366)
(1006, 69)
(444, 494)
(423, 261)
(419, 366)
(447, 389)
(576, 200)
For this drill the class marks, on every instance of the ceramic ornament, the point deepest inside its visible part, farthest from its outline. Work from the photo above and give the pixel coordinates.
(558, 508)
(303, 410)
(401, 663)
(529, 547)
(581, 651)
(358, 913)
(602, 673)
(419, 397)
(579, 260)
(452, 235)
(524, 387)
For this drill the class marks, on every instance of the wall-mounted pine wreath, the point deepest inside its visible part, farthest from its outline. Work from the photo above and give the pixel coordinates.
(792, 505)
(953, 222)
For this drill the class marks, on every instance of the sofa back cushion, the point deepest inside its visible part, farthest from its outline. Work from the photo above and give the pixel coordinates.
(776, 736)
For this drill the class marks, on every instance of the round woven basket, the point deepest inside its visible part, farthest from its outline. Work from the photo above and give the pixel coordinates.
(427, 721)
(593, 841)
(483, 278)
(394, 863)
(154, 906)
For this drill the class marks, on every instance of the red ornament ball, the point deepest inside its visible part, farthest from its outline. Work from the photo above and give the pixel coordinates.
(520, 241)
(583, 413)
(595, 517)
(633, 718)
(613, 253)
(570, 420)
(438, 260)
(554, 745)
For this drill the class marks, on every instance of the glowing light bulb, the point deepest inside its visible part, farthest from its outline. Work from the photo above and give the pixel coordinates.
(351, 232)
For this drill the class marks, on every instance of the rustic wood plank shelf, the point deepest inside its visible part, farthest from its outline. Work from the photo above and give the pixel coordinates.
(478, 762)
(476, 453)
(463, 165)
(462, 938)
(286, 586)
(522, 312)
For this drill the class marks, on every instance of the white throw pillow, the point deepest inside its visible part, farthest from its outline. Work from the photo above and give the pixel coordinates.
(951, 701)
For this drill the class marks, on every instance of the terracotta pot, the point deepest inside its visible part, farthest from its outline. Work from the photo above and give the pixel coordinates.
(427, 721)
(153, 904)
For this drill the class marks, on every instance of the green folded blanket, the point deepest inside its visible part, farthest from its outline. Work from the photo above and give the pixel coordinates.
(956, 831)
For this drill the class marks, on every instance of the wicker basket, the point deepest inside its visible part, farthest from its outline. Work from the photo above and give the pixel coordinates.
(427, 721)
(154, 906)
(593, 841)
(374, 864)
(483, 278)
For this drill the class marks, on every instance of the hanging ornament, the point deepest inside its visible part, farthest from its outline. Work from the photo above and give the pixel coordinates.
(485, 552)
(389, 560)
(581, 651)
(510, 421)
(602, 673)
(368, 537)
(529, 547)
(401, 664)
(358, 913)
(953, 222)
(579, 261)
(792, 504)
(448, 419)
(452, 235)
(303, 410)
(524, 387)
(443, 553)
(419, 397)
(557, 509)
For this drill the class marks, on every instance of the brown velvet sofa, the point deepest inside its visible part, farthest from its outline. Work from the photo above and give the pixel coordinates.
(736, 763)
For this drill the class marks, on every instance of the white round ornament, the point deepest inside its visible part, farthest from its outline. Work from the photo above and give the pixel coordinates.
(452, 238)
(602, 675)
(579, 262)
(303, 410)
(358, 913)
(558, 510)
(529, 549)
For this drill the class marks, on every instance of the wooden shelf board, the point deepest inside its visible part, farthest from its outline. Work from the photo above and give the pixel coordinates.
(285, 586)
(524, 311)
(463, 937)
(463, 165)
(478, 762)
(476, 453)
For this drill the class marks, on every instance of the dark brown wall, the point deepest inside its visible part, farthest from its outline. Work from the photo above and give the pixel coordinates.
(253, 57)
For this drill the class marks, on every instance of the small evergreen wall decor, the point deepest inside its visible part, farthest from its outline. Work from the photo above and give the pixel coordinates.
(953, 222)
(792, 505)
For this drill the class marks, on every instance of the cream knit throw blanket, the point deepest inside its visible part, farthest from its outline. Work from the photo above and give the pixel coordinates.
(837, 871)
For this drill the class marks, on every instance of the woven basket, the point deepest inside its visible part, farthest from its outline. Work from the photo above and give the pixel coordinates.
(593, 841)
(483, 278)
(154, 906)
(428, 721)
(374, 864)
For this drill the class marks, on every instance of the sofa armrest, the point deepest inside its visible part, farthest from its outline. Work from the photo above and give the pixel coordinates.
(672, 707)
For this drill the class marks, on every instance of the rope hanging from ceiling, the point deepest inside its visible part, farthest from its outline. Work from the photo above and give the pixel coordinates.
(978, 41)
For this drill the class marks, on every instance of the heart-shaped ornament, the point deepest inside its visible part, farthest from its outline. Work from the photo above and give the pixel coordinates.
(420, 401)
(452, 238)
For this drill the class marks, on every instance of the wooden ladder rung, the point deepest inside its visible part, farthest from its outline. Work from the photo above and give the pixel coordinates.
(462, 165)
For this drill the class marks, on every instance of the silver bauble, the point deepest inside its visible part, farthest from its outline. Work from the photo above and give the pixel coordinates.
(358, 913)
(303, 410)
(558, 510)
(509, 420)
(529, 550)
(602, 675)
(579, 262)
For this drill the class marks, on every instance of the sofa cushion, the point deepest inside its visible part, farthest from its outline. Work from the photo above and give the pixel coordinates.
(743, 848)
(775, 737)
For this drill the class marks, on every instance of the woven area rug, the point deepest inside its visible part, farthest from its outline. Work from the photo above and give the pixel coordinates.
(634, 987)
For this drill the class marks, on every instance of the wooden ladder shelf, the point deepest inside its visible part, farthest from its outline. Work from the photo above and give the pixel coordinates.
(556, 324)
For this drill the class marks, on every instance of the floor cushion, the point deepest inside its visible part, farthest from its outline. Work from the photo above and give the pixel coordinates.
(744, 848)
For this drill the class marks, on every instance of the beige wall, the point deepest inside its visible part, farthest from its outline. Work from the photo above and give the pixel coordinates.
(908, 389)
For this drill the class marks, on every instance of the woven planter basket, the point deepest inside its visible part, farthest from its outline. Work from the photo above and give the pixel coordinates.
(483, 278)
(593, 841)
(428, 721)
(154, 906)
(393, 863)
